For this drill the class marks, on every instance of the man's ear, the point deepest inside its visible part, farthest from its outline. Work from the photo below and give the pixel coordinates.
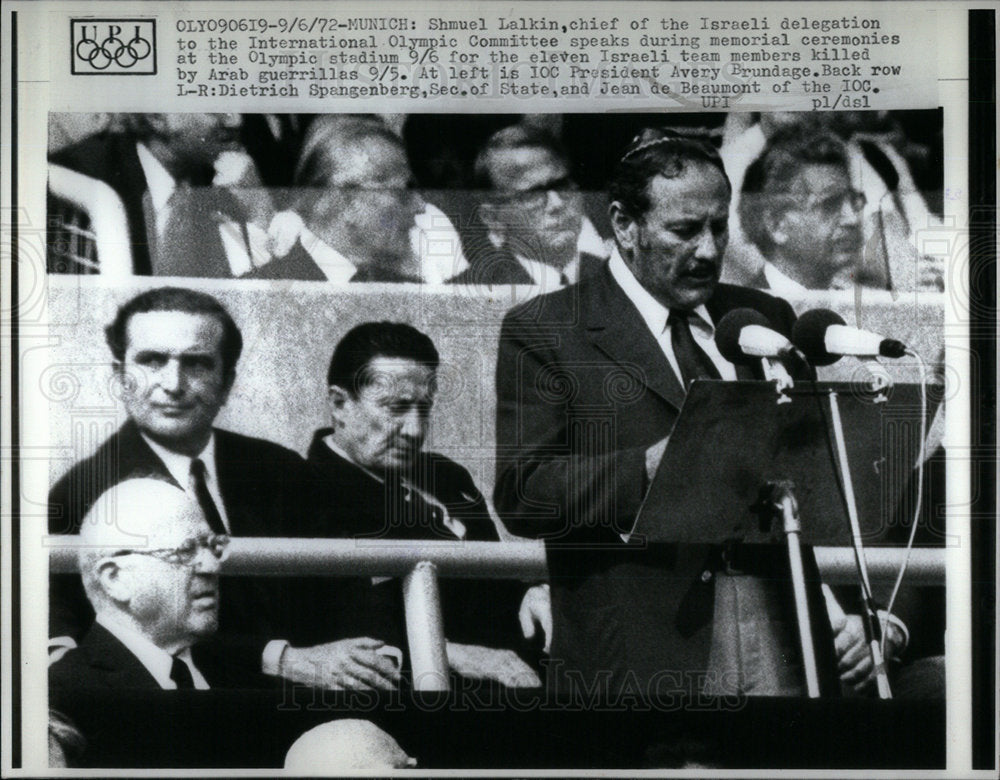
(775, 223)
(336, 400)
(625, 227)
(115, 581)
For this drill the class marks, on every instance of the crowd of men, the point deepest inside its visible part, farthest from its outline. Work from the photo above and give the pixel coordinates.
(334, 198)
(158, 502)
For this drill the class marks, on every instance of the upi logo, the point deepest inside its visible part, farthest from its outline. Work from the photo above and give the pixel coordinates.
(104, 47)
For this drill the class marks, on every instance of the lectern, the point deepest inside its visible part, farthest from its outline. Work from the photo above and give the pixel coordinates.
(746, 463)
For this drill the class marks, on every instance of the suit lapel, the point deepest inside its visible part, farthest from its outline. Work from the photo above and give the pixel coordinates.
(115, 662)
(135, 458)
(616, 328)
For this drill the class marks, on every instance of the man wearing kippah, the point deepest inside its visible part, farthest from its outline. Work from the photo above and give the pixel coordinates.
(590, 381)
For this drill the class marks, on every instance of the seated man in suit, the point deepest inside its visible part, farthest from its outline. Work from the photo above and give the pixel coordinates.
(589, 384)
(152, 577)
(381, 484)
(356, 206)
(799, 207)
(192, 195)
(532, 212)
(175, 353)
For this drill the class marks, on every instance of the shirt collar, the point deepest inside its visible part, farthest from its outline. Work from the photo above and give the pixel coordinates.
(157, 661)
(179, 465)
(159, 182)
(335, 267)
(653, 313)
(780, 283)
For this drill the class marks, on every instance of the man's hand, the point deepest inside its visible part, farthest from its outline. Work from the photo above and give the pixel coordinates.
(349, 664)
(487, 663)
(854, 659)
(536, 611)
(654, 455)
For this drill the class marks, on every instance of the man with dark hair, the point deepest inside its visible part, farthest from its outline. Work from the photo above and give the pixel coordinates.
(799, 208)
(589, 384)
(192, 196)
(532, 213)
(382, 485)
(175, 353)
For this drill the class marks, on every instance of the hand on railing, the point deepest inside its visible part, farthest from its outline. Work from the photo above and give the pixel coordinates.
(487, 663)
(349, 664)
(536, 611)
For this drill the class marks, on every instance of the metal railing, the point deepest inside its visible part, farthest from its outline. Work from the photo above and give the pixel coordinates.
(421, 563)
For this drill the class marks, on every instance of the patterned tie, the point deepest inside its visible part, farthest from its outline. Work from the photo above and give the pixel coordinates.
(208, 507)
(691, 358)
(181, 674)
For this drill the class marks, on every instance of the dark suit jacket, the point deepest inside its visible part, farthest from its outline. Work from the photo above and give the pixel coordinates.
(102, 662)
(489, 265)
(112, 158)
(265, 491)
(475, 612)
(583, 389)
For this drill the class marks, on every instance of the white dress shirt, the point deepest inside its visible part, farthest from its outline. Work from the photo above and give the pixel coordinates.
(335, 267)
(179, 467)
(780, 283)
(655, 315)
(158, 662)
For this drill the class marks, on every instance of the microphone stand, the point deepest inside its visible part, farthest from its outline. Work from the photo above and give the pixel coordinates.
(872, 625)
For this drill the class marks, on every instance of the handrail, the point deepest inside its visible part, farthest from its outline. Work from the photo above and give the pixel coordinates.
(261, 556)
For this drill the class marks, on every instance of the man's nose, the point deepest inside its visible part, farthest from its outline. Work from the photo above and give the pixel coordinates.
(849, 215)
(205, 563)
(707, 247)
(414, 425)
(171, 377)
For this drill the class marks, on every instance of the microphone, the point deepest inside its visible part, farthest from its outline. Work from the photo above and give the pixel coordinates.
(744, 336)
(824, 338)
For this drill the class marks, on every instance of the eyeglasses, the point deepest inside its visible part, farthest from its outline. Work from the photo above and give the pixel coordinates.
(538, 196)
(830, 207)
(187, 552)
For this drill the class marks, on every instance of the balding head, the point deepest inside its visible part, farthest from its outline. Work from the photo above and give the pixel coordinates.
(357, 190)
(131, 571)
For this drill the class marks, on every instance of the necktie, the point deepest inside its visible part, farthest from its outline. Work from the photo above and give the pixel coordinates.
(564, 279)
(181, 675)
(691, 358)
(208, 507)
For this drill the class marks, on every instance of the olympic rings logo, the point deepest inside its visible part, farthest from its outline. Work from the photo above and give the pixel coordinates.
(115, 48)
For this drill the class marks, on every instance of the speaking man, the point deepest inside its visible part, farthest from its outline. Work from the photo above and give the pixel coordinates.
(590, 381)
(175, 353)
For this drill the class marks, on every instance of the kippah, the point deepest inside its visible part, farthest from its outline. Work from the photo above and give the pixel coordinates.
(649, 137)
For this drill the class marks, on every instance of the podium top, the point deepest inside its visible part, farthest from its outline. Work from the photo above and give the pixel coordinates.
(733, 439)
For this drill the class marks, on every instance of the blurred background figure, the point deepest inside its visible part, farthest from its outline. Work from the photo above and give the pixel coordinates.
(356, 214)
(892, 158)
(799, 209)
(535, 229)
(192, 199)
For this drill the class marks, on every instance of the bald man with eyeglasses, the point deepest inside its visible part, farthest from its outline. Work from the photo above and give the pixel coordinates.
(150, 568)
